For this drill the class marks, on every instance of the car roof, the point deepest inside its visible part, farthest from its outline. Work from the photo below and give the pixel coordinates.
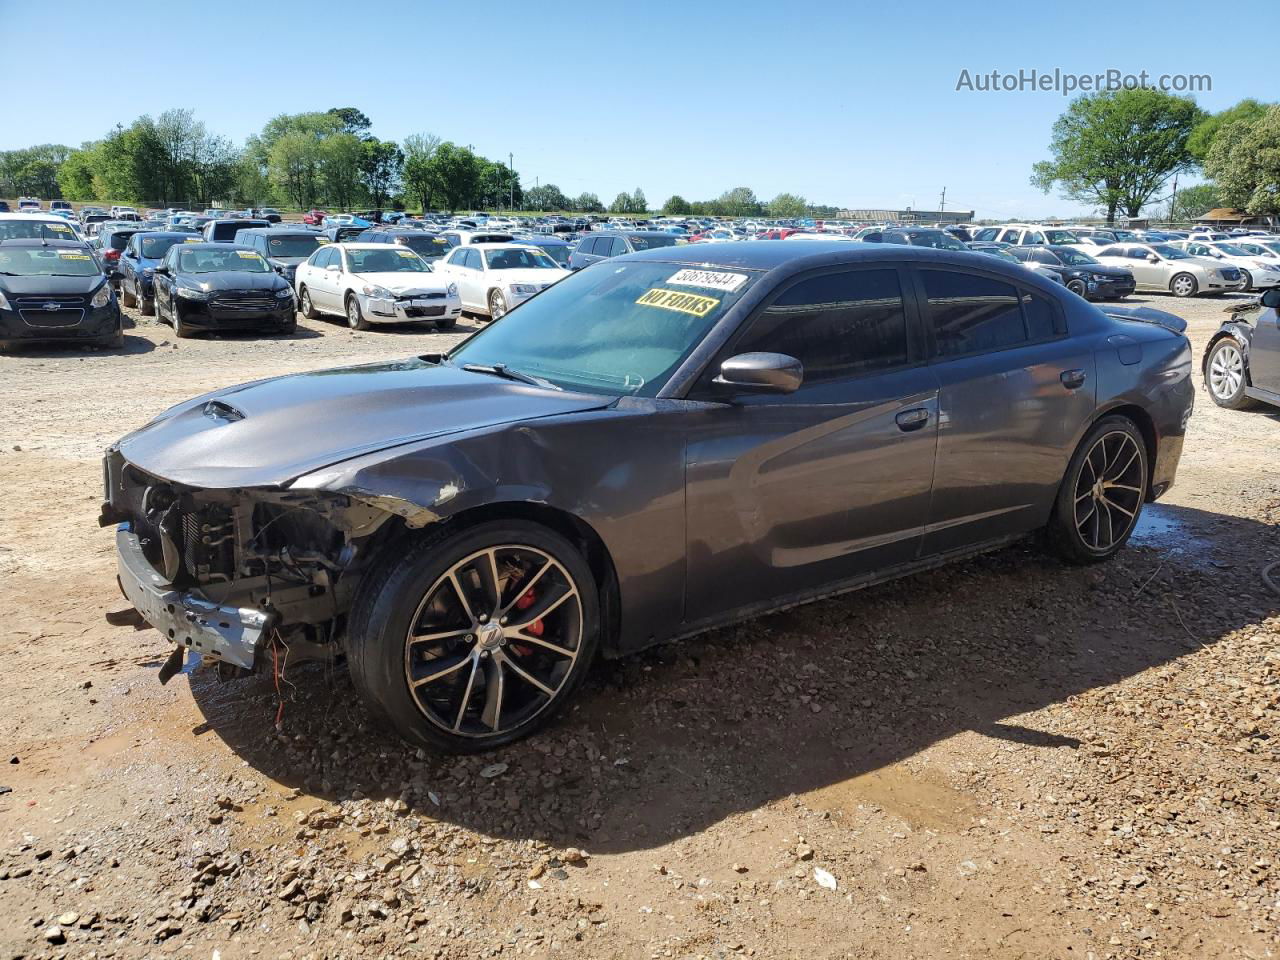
(37, 242)
(37, 215)
(278, 231)
(167, 233)
(495, 246)
(638, 233)
(215, 246)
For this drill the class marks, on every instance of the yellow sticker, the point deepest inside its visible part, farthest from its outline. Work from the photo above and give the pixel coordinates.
(192, 239)
(683, 302)
(58, 226)
(322, 239)
(408, 254)
(74, 256)
(246, 255)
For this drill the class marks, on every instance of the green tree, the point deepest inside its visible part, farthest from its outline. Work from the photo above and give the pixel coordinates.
(587, 203)
(638, 202)
(787, 205)
(352, 121)
(546, 196)
(1206, 130)
(676, 206)
(341, 166)
(294, 164)
(380, 169)
(454, 173)
(1244, 160)
(621, 203)
(75, 176)
(1117, 149)
(738, 202)
(32, 170)
(416, 174)
(1192, 202)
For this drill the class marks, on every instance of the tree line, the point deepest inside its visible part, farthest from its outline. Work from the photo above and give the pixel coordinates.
(302, 160)
(1120, 150)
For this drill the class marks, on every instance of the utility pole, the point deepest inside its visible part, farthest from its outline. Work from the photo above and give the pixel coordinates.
(1173, 200)
(942, 204)
(511, 180)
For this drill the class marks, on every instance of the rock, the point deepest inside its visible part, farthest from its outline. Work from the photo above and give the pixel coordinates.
(68, 919)
(739, 868)
(54, 935)
(804, 851)
(493, 770)
(825, 879)
(537, 870)
(573, 855)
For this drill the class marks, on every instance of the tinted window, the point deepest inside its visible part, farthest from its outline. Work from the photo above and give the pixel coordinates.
(618, 248)
(972, 314)
(1042, 317)
(837, 325)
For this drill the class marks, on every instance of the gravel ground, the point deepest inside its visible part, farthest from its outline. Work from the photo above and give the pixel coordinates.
(1005, 758)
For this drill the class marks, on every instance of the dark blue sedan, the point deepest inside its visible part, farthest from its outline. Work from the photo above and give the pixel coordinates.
(138, 262)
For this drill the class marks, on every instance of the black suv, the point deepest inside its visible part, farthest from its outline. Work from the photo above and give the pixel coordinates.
(429, 246)
(1083, 275)
(283, 247)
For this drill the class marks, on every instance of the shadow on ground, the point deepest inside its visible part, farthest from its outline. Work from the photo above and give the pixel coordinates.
(664, 743)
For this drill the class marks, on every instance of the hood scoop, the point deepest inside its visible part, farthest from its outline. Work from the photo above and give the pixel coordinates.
(222, 411)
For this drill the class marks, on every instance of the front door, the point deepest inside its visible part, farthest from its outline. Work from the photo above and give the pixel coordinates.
(1014, 392)
(786, 493)
(1151, 276)
(1264, 351)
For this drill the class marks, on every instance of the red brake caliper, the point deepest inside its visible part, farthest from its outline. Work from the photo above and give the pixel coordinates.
(534, 629)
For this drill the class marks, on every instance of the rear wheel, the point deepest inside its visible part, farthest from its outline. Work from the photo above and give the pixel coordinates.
(1102, 493)
(1225, 375)
(1247, 277)
(1184, 285)
(355, 316)
(147, 306)
(475, 638)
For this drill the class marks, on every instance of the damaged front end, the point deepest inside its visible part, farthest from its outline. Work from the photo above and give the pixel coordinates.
(231, 572)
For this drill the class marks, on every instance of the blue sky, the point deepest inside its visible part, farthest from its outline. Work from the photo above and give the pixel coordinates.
(846, 103)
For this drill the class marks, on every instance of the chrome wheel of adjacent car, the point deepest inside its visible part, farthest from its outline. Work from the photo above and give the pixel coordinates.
(1109, 490)
(494, 641)
(1183, 285)
(497, 305)
(1247, 277)
(1226, 377)
(355, 317)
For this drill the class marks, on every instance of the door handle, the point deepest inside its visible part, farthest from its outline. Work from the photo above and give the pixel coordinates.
(1073, 379)
(912, 419)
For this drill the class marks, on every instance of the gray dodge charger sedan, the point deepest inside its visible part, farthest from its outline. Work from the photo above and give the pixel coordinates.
(662, 443)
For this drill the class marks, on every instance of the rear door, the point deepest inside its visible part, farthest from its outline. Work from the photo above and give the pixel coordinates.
(1264, 351)
(1014, 392)
(788, 493)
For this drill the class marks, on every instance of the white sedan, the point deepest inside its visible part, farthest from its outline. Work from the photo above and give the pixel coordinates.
(374, 283)
(494, 277)
(1258, 272)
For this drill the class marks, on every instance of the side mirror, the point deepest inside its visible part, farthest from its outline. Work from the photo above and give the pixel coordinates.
(1271, 297)
(761, 373)
(333, 268)
(1152, 258)
(161, 271)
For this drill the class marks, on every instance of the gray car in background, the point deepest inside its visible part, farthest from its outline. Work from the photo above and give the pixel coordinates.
(605, 244)
(696, 435)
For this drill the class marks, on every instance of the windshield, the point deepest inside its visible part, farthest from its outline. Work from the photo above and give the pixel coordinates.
(617, 329)
(1060, 236)
(939, 240)
(649, 242)
(559, 253)
(385, 260)
(519, 259)
(428, 247)
(997, 252)
(1231, 250)
(154, 248)
(1170, 253)
(35, 230)
(301, 245)
(1074, 258)
(219, 261)
(118, 240)
(38, 262)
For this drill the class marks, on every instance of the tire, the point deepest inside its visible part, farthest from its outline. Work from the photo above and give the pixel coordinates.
(1247, 277)
(127, 299)
(113, 342)
(446, 324)
(147, 306)
(305, 305)
(355, 316)
(1077, 287)
(1226, 376)
(184, 331)
(497, 305)
(1115, 453)
(1183, 285)
(409, 589)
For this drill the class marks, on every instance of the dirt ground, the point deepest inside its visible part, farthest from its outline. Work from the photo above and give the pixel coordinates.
(1007, 758)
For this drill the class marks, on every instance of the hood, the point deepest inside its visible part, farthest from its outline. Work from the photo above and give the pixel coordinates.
(403, 281)
(539, 276)
(232, 280)
(1146, 315)
(270, 432)
(50, 286)
(1106, 270)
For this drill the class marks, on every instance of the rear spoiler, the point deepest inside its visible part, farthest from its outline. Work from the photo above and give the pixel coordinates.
(1146, 315)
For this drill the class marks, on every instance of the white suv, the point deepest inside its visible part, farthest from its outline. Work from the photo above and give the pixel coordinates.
(1025, 234)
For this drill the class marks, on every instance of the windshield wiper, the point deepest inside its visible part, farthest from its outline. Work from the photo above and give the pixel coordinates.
(502, 370)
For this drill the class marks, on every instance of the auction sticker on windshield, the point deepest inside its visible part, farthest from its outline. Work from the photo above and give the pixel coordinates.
(407, 254)
(675, 300)
(728, 282)
(246, 255)
(74, 256)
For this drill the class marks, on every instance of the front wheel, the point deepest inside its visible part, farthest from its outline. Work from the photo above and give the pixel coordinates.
(181, 328)
(127, 298)
(355, 316)
(1225, 376)
(1184, 285)
(304, 302)
(1247, 277)
(497, 305)
(1102, 493)
(1077, 287)
(147, 306)
(475, 638)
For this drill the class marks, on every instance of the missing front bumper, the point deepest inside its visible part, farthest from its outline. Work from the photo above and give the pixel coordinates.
(232, 634)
